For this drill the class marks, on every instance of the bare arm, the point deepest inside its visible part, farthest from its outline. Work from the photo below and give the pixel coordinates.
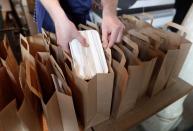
(109, 7)
(112, 28)
(54, 9)
(65, 29)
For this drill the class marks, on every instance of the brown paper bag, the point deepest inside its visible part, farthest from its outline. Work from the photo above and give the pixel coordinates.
(140, 71)
(84, 27)
(163, 67)
(33, 85)
(7, 86)
(143, 66)
(176, 51)
(92, 98)
(155, 40)
(30, 110)
(139, 38)
(51, 37)
(8, 56)
(131, 45)
(56, 95)
(37, 43)
(120, 82)
(143, 27)
(9, 119)
(132, 22)
(169, 44)
(89, 26)
(28, 107)
(182, 51)
(27, 57)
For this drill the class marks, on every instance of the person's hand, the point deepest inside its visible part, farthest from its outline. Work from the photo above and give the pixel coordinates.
(112, 30)
(66, 32)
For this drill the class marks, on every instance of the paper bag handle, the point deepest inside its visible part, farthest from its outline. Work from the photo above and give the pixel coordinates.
(132, 45)
(68, 56)
(8, 70)
(57, 86)
(63, 79)
(45, 37)
(31, 70)
(69, 59)
(129, 17)
(123, 59)
(139, 35)
(84, 27)
(148, 16)
(24, 43)
(176, 26)
(5, 45)
(92, 25)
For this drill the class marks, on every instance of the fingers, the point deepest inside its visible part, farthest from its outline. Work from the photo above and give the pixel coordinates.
(81, 39)
(105, 38)
(120, 35)
(113, 37)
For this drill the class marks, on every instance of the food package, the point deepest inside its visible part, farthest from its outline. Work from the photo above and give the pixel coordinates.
(88, 61)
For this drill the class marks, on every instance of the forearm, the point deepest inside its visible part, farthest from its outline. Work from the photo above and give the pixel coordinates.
(109, 7)
(55, 10)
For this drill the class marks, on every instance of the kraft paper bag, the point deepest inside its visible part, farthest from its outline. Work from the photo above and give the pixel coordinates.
(176, 49)
(180, 46)
(163, 66)
(138, 38)
(9, 120)
(151, 50)
(31, 106)
(38, 43)
(10, 99)
(130, 45)
(28, 106)
(50, 37)
(56, 97)
(30, 110)
(169, 44)
(182, 54)
(84, 27)
(89, 26)
(132, 22)
(92, 98)
(8, 56)
(120, 81)
(140, 70)
(27, 57)
(155, 40)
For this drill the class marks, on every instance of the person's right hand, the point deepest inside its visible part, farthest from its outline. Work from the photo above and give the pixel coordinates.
(66, 32)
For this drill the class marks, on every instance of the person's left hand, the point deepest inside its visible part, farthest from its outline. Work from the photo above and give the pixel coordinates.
(112, 31)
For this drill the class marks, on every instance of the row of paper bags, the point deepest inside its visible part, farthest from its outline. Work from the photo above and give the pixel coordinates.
(144, 63)
(44, 82)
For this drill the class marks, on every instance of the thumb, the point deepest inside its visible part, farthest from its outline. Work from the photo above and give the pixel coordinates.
(82, 40)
